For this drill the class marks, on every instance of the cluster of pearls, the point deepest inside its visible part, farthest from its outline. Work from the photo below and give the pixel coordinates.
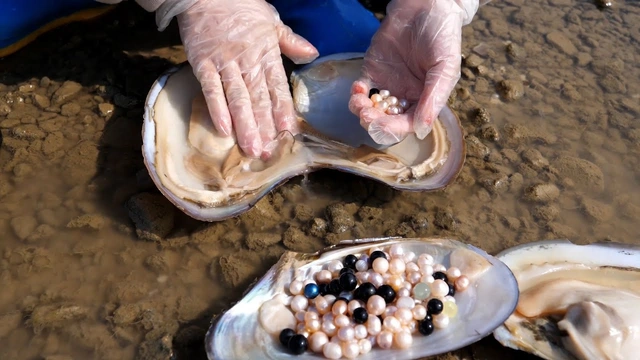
(381, 298)
(382, 99)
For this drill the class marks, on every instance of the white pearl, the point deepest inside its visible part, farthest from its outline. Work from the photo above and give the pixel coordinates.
(414, 277)
(322, 305)
(376, 279)
(287, 301)
(353, 305)
(362, 277)
(360, 331)
(339, 307)
(384, 93)
(439, 288)
(382, 105)
(346, 333)
(391, 323)
(365, 346)
(403, 339)
(419, 312)
(440, 321)
(405, 302)
(424, 260)
(411, 267)
(393, 110)
(450, 298)
(330, 299)
(404, 292)
(453, 273)
(426, 270)
(313, 325)
(299, 316)
(350, 349)
(299, 303)
(335, 266)
(396, 250)
(380, 265)
(329, 328)
(396, 266)
(332, 350)
(405, 315)
(392, 100)
(407, 285)
(439, 267)
(385, 339)
(361, 265)
(374, 325)
(376, 98)
(328, 317)
(364, 257)
(389, 311)
(295, 287)
(427, 279)
(341, 321)
(409, 256)
(462, 283)
(323, 276)
(317, 341)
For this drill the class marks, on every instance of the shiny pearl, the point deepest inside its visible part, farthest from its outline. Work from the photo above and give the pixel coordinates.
(411, 267)
(403, 103)
(350, 349)
(395, 282)
(299, 316)
(374, 325)
(396, 250)
(382, 105)
(365, 346)
(415, 277)
(419, 312)
(376, 279)
(304, 333)
(376, 305)
(313, 325)
(317, 341)
(427, 279)
(385, 339)
(329, 328)
(380, 265)
(364, 257)
(449, 298)
(404, 292)
(404, 315)
(384, 93)
(296, 287)
(328, 317)
(424, 260)
(462, 283)
(323, 276)
(439, 288)
(322, 305)
(341, 321)
(330, 299)
(346, 333)
(360, 331)
(299, 303)
(376, 98)
(311, 315)
(402, 339)
(287, 301)
(440, 321)
(334, 267)
(362, 265)
(362, 277)
(353, 304)
(409, 256)
(339, 307)
(397, 266)
(332, 350)
(405, 302)
(412, 327)
(439, 267)
(391, 323)
(407, 285)
(389, 311)
(453, 273)
(393, 110)
(426, 270)
(392, 101)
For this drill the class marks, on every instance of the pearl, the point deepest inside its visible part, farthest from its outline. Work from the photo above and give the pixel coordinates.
(392, 101)
(311, 291)
(376, 98)
(450, 298)
(391, 323)
(341, 321)
(384, 93)
(441, 321)
(405, 315)
(287, 301)
(404, 292)
(376, 305)
(415, 277)
(396, 250)
(411, 267)
(322, 305)
(403, 339)
(311, 315)
(295, 287)
(403, 103)
(328, 317)
(395, 282)
(421, 291)
(453, 273)
(299, 303)
(424, 260)
(419, 312)
(346, 333)
(362, 277)
(317, 341)
(393, 110)
(362, 265)
(413, 327)
(405, 302)
(385, 339)
(439, 267)
(396, 266)
(313, 325)
(427, 279)
(380, 265)
(409, 256)
(323, 277)
(339, 307)
(389, 311)
(350, 349)
(365, 346)
(353, 304)
(300, 327)
(332, 350)
(330, 299)
(462, 283)
(426, 270)
(299, 316)
(382, 105)
(374, 325)
(376, 279)
(450, 309)
(439, 288)
(360, 331)
(334, 267)
(329, 328)
(407, 285)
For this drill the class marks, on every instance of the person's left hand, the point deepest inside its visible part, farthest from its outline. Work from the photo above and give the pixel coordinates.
(416, 55)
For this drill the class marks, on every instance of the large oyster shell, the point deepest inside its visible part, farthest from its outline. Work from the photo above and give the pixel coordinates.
(208, 177)
(492, 296)
(576, 301)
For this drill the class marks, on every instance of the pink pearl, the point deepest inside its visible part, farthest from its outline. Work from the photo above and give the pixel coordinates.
(377, 280)
(295, 287)
(362, 265)
(419, 312)
(360, 331)
(380, 265)
(404, 292)
(317, 341)
(405, 302)
(439, 267)
(396, 250)
(424, 260)
(403, 339)
(362, 277)
(409, 256)
(341, 320)
(411, 267)
(323, 276)
(329, 328)
(332, 350)
(374, 325)
(350, 349)
(339, 307)
(376, 305)
(299, 303)
(376, 98)
(404, 315)
(453, 273)
(330, 299)
(321, 304)
(462, 283)
(389, 311)
(365, 346)
(414, 277)
(346, 333)
(396, 266)
(385, 339)
(391, 323)
(313, 325)
(439, 288)
(353, 305)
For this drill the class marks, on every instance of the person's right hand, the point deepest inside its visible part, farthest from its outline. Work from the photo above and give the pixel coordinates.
(234, 47)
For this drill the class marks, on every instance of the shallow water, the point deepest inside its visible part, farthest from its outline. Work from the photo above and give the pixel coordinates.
(554, 154)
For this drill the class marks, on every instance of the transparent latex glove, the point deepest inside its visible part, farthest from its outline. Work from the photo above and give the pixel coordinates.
(416, 55)
(234, 47)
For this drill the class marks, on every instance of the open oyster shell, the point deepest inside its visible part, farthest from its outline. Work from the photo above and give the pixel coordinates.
(239, 334)
(209, 178)
(576, 301)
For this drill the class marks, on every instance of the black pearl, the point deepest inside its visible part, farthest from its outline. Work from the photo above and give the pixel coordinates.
(387, 293)
(364, 291)
(452, 290)
(334, 287)
(323, 289)
(374, 255)
(345, 270)
(439, 275)
(350, 262)
(429, 317)
(285, 336)
(298, 344)
(435, 306)
(360, 315)
(348, 281)
(373, 91)
(425, 327)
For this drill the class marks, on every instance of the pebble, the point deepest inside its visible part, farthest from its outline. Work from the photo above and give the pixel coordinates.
(542, 193)
(66, 91)
(23, 226)
(152, 214)
(105, 109)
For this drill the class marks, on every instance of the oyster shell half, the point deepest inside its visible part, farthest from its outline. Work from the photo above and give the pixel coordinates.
(576, 301)
(209, 178)
(249, 330)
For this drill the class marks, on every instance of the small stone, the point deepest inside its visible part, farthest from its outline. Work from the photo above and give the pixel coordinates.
(87, 221)
(9, 123)
(153, 215)
(511, 90)
(42, 232)
(489, 132)
(70, 109)
(105, 109)
(66, 92)
(41, 101)
(473, 61)
(546, 212)
(482, 116)
(515, 51)
(597, 210)
(339, 218)
(23, 226)
(584, 59)
(542, 193)
(22, 170)
(475, 147)
(317, 227)
(52, 143)
(261, 241)
(534, 158)
(303, 212)
(27, 132)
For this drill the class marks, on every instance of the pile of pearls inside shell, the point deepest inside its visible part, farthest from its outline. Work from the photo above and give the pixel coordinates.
(382, 99)
(380, 298)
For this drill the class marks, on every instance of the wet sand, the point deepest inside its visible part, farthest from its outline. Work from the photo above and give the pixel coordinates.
(96, 264)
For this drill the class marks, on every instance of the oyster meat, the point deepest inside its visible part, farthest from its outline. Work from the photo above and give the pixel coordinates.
(208, 177)
(576, 301)
(250, 329)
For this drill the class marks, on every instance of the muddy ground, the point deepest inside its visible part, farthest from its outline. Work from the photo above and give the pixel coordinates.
(96, 264)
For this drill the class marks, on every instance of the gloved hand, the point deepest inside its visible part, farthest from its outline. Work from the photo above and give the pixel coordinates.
(416, 55)
(234, 47)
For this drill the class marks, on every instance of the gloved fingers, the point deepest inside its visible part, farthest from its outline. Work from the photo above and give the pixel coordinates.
(439, 82)
(284, 113)
(260, 103)
(213, 92)
(386, 129)
(294, 46)
(359, 97)
(239, 102)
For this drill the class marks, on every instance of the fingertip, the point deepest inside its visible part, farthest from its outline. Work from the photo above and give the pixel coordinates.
(357, 102)
(296, 47)
(251, 145)
(359, 87)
